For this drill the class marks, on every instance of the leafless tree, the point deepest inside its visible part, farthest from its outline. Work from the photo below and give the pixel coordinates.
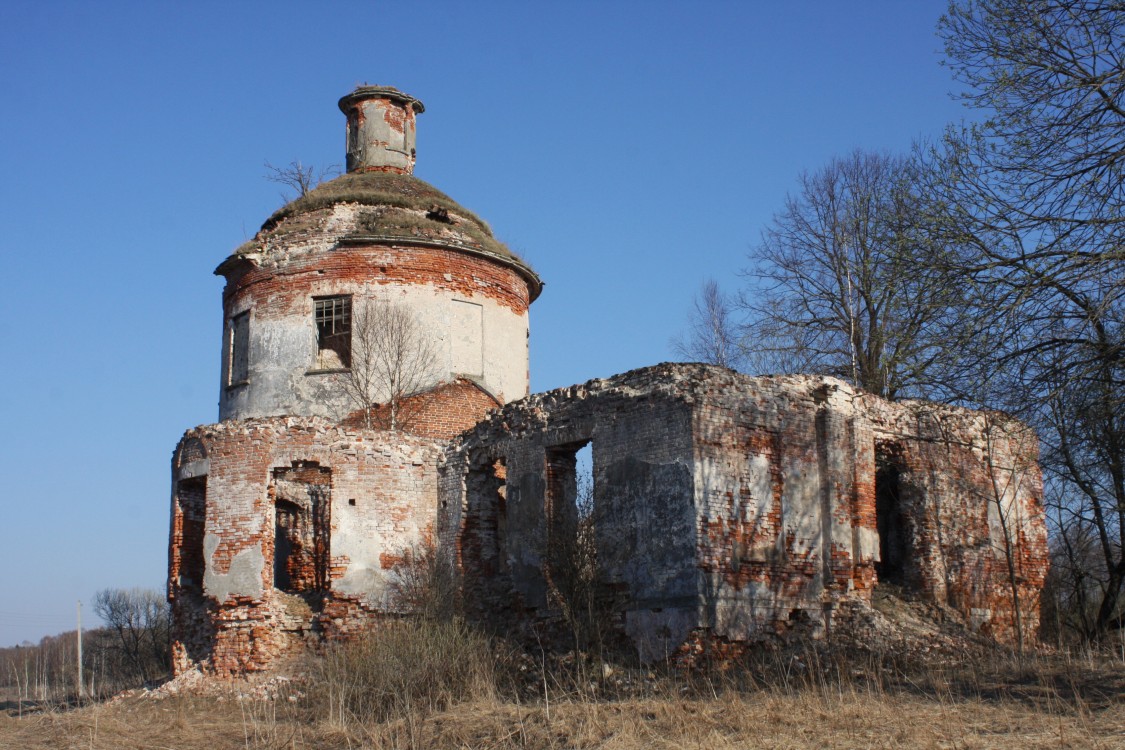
(1035, 196)
(839, 287)
(140, 622)
(713, 331)
(1073, 591)
(298, 177)
(392, 358)
(1050, 76)
(1008, 451)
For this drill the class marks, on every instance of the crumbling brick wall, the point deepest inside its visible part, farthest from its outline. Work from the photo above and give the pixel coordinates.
(975, 492)
(742, 506)
(725, 507)
(780, 491)
(379, 495)
(497, 479)
(443, 412)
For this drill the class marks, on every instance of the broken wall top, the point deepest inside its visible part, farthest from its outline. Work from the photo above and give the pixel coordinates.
(699, 384)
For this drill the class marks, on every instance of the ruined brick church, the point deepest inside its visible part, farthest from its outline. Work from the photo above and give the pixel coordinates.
(724, 505)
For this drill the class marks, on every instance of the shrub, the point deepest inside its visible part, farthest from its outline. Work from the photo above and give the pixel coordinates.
(400, 668)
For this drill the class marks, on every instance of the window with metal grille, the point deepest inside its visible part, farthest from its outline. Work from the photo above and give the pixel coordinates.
(333, 332)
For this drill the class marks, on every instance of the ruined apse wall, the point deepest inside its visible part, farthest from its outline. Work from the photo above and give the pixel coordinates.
(811, 490)
(969, 487)
(289, 528)
(740, 506)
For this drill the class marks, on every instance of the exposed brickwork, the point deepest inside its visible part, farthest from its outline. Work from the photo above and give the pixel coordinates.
(383, 500)
(981, 465)
(281, 286)
(726, 508)
(301, 496)
(188, 517)
(437, 286)
(443, 412)
(291, 518)
(738, 507)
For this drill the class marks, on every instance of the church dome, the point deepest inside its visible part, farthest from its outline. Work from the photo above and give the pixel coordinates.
(300, 295)
(384, 206)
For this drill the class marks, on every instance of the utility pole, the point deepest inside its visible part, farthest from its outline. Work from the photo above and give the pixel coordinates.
(80, 690)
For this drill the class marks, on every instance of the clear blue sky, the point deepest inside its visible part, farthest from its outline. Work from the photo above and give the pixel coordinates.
(627, 150)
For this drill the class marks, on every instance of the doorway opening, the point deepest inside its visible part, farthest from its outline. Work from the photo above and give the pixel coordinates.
(301, 495)
(890, 519)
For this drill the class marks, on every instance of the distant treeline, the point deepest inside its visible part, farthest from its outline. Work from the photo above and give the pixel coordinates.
(133, 648)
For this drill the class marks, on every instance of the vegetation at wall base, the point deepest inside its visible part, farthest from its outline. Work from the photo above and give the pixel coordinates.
(431, 684)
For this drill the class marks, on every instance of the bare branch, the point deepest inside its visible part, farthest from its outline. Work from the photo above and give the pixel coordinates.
(392, 358)
(1038, 197)
(298, 177)
(841, 283)
(712, 335)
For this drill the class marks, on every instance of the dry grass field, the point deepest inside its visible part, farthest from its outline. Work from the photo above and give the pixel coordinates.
(767, 719)
(434, 685)
(1049, 703)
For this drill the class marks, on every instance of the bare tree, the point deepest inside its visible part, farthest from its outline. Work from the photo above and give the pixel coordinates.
(1050, 75)
(839, 286)
(1073, 591)
(1036, 197)
(1008, 451)
(298, 177)
(392, 358)
(713, 331)
(140, 622)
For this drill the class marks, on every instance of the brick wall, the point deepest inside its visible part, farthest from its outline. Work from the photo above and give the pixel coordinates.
(382, 500)
(976, 483)
(279, 288)
(743, 507)
(442, 412)
(726, 509)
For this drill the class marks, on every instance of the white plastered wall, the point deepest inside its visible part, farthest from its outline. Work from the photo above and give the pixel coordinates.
(471, 335)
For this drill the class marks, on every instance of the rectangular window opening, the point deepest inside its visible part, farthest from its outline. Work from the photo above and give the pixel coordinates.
(487, 484)
(238, 349)
(896, 540)
(333, 317)
(191, 507)
(500, 478)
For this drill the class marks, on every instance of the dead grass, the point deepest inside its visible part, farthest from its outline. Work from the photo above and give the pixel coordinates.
(809, 719)
(435, 685)
(402, 669)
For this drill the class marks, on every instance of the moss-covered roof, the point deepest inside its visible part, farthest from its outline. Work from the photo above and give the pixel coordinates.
(375, 189)
(404, 207)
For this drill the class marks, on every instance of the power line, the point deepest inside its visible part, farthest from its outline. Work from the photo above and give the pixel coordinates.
(28, 617)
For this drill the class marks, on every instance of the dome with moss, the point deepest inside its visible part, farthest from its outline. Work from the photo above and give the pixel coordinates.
(378, 201)
(386, 207)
